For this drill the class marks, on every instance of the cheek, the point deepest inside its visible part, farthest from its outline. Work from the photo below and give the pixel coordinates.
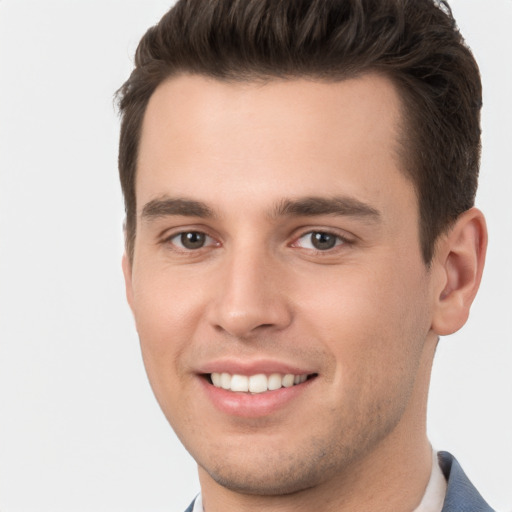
(166, 322)
(166, 319)
(165, 308)
(373, 322)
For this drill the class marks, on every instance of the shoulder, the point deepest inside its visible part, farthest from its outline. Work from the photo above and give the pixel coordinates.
(461, 495)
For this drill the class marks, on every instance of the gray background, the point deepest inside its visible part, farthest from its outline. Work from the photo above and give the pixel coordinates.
(79, 427)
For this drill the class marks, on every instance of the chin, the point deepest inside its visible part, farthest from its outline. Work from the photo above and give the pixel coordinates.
(266, 482)
(277, 472)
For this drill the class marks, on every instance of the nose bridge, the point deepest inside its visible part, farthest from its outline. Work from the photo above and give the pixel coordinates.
(250, 296)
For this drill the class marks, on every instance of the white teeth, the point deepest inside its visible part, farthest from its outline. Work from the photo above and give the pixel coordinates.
(288, 380)
(239, 383)
(256, 383)
(225, 381)
(216, 379)
(275, 381)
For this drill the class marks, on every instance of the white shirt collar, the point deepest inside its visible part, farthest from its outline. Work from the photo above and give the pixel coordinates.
(198, 504)
(435, 492)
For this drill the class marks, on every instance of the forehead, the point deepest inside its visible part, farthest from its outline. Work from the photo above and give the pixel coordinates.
(262, 139)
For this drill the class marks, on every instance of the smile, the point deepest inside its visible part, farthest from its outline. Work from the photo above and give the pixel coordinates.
(259, 383)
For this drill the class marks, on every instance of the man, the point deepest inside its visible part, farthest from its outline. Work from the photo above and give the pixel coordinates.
(299, 180)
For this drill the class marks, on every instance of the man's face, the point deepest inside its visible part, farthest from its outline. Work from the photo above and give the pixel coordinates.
(277, 235)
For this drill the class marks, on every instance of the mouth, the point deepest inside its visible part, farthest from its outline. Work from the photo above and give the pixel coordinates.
(258, 383)
(257, 389)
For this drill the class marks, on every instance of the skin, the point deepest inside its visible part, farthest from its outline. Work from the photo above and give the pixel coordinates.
(363, 316)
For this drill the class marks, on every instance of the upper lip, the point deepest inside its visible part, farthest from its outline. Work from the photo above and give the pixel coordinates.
(265, 366)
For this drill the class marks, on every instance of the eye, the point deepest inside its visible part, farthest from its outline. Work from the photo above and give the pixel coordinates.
(319, 241)
(191, 240)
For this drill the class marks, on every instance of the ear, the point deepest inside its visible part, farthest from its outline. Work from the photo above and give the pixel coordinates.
(459, 262)
(127, 272)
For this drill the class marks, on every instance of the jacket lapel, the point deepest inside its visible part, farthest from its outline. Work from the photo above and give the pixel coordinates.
(461, 495)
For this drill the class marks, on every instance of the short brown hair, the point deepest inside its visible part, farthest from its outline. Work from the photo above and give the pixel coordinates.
(415, 43)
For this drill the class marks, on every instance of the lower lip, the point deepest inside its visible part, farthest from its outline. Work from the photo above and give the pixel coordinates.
(249, 405)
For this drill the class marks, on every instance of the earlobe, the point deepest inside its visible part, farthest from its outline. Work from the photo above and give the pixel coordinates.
(459, 259)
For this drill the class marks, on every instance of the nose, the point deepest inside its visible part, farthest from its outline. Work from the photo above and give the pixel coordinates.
(251, 297)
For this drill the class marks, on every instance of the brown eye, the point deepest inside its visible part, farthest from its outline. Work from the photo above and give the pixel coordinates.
(322, 241)
(319, 241)
(192, 240)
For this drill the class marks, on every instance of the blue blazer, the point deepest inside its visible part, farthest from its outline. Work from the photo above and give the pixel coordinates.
(461, 495)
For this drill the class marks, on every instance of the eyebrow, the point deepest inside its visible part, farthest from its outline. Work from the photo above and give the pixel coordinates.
(302, 207)
(315, 206)
(168, 206)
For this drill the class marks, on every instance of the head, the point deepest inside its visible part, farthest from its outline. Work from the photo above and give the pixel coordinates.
(298, 179)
